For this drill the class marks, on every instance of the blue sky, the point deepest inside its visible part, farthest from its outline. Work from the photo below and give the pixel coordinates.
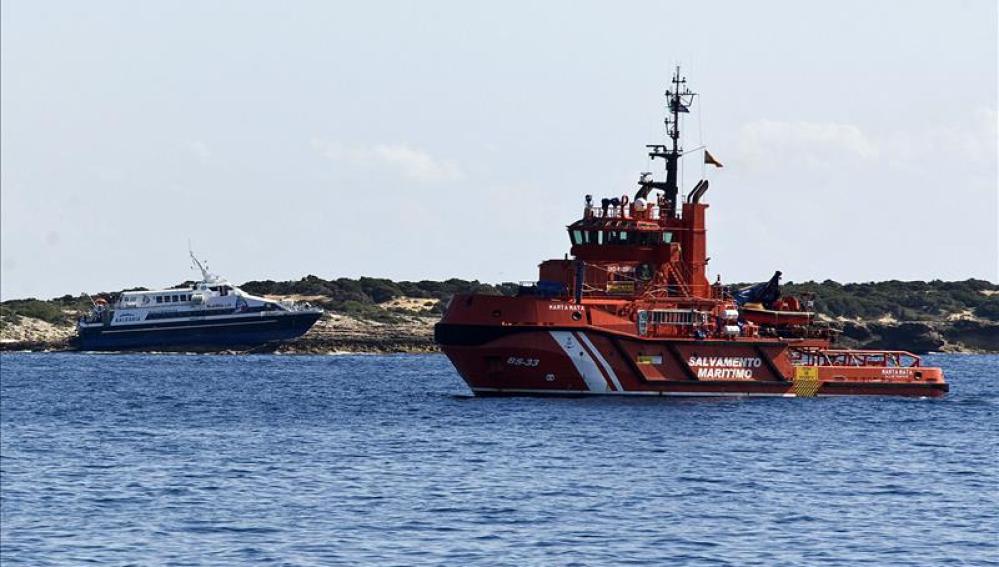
(419, 140)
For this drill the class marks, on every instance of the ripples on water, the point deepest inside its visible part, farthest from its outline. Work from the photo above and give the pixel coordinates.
(387, 460)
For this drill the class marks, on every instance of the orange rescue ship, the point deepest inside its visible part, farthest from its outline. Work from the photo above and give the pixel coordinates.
(633, 312)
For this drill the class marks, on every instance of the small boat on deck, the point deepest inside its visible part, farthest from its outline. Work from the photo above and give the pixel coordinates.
(763, 305)
(757, 314)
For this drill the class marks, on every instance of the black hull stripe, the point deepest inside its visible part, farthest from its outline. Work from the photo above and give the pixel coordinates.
(210, 335)
(179, 327)
(924, 392)
(304, 318)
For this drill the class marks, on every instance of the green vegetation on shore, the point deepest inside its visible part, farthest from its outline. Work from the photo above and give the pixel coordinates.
(904, 301)
(916, 316)
(58, 311)
(363, 298)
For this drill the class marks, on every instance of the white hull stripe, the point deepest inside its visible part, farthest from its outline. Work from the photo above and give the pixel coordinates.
(583, 362)
(600, 358)
(143, 330)
(643, 393)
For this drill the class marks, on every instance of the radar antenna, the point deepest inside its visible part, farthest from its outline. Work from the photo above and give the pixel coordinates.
(678, 100)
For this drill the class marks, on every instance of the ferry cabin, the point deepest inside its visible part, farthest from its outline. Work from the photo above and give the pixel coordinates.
(203, 299)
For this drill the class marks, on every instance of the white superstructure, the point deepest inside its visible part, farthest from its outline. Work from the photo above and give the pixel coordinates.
(212, 310)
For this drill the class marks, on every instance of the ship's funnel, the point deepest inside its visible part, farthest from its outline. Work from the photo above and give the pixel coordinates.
(698, 191)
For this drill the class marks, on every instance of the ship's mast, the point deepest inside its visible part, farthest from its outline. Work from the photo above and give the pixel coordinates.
(678, 100)
(205, 274)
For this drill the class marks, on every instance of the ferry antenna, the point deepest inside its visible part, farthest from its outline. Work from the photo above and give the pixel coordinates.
(197, 263)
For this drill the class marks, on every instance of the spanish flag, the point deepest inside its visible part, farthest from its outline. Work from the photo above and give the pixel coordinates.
(710, 159)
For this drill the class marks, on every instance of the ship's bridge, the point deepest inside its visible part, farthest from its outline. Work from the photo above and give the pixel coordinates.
(654, 242)
(634, 246)
(618, 233)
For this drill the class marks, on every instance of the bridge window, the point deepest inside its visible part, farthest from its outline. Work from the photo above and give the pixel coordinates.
(159, 299)
(577, 237)
(618, 237)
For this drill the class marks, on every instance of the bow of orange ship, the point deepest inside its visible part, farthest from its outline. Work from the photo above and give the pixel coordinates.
(633, 312)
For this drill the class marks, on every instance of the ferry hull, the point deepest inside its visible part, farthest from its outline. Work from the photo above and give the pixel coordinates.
(498, 361)
(234, 332)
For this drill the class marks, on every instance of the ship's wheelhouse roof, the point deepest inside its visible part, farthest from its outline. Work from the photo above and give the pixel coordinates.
(615, 224)
(157, 292)
(213, 286)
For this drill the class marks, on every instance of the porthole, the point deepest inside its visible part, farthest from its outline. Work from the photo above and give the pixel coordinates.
(576, 315)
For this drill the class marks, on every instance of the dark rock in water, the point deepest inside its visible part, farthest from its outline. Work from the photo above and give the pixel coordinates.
(973, 334)
(913, 337)
(370, 344)
(856, 331)
(919, 337)
(36, 346)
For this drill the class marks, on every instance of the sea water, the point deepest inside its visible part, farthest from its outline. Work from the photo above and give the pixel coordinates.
(319, 460)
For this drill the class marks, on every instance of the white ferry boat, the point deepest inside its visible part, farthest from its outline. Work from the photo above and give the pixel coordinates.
(212, 314)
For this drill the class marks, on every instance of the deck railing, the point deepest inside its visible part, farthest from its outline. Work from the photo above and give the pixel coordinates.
(652, 212)
(837, 357)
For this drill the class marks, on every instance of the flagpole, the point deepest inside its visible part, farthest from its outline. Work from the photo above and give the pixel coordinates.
(700, 136)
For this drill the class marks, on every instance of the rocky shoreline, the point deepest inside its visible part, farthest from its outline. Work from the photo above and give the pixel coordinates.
(921, 337)
(333, 334)
(370, 315)
(342, 334)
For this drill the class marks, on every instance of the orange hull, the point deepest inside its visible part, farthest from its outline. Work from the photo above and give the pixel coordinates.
(556, 354)
(632, 312)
